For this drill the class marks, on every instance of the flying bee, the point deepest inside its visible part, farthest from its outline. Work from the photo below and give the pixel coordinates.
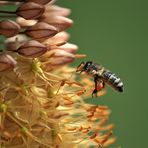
(101, 76)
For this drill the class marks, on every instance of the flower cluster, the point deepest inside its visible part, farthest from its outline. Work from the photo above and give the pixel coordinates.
(41, 102)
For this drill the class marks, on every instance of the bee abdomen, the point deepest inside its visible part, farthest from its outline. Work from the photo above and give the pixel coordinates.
(113, 80)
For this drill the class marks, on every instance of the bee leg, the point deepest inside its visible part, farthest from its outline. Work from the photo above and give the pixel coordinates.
(94, 93)
(103, 84)
(96, 84)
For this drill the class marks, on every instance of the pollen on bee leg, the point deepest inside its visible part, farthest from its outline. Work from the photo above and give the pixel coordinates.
(100, 90)
(100, 86)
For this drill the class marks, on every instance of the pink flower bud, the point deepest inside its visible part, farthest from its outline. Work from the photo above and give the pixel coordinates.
(60, 22)
(58, 38)
(32, 49)
(25, 23)
(42, 2)
(68, 47)
(9, 28)
(30, 10)
(58, 53)
(6, 62)
(41, 30)
(56, 10)
(61, 61)
(57, 61)
(13, 43)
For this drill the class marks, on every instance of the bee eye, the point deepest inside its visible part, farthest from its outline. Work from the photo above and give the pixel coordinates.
(89, 63)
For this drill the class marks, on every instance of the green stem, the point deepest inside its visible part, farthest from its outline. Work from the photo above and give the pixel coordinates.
(7, 12)
(7, 16)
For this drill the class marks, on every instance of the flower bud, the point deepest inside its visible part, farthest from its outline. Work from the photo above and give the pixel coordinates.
(56, 10)
(60, 22)
(68, 47)
(25, 23)
(9, 28)
(59, 37)
(41, 30)
(42, 2)
(61, 61)
(6, 62)
(30, 10)
(58, 53)
(13, 43)
(32, 49)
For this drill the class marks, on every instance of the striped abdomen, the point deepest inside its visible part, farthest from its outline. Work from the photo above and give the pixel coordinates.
(113, 80)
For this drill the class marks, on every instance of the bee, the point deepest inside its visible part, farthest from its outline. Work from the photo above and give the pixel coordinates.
(101, 76)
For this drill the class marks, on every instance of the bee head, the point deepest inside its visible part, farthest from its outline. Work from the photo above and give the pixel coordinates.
(80, 68)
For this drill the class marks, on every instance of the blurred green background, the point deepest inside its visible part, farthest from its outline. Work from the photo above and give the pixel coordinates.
(115, 33)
